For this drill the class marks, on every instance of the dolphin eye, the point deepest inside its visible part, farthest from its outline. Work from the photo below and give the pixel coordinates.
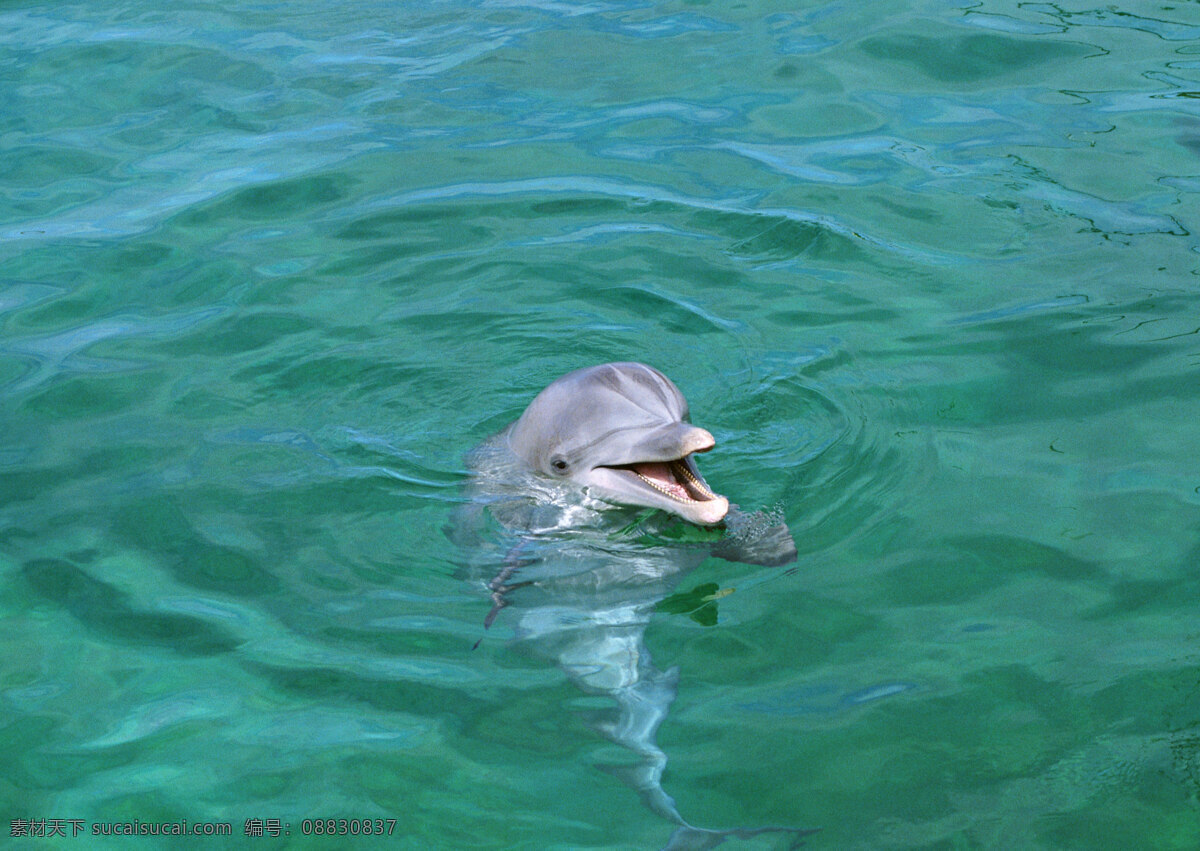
(559, 465)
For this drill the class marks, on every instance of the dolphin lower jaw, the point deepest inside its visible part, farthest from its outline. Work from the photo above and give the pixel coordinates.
(675, 486)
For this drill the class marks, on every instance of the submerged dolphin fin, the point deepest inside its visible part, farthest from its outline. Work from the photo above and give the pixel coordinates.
(641, 708)
(756, 538)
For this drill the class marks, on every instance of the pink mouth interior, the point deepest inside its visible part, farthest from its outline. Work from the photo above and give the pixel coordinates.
(671, 478)
(660, 473)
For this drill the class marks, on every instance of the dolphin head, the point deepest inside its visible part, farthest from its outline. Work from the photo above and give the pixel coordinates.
(620, 431)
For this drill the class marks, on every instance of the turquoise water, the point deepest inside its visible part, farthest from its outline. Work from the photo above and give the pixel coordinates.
(927, 271)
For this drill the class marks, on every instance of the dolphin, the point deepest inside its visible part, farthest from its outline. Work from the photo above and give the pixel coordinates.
(594, 488)
(620, 432)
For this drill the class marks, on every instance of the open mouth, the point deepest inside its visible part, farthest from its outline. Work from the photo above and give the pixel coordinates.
(674, 479)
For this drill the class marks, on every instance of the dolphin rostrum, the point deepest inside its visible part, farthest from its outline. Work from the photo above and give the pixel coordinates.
(582, 561)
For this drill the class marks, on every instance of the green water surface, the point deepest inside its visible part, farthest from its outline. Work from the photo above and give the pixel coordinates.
(927, 271)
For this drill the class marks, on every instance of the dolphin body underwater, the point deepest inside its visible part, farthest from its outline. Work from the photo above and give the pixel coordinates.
(581, 561)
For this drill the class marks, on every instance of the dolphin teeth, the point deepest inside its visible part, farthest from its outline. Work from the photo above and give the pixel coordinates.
(690, 484)
(663, 490)
(705, 490)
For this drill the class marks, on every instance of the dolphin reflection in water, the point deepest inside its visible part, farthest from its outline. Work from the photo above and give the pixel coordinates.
(581, 558)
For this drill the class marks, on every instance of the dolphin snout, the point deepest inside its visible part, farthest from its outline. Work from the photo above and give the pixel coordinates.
(697, 440)
(669, 442)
